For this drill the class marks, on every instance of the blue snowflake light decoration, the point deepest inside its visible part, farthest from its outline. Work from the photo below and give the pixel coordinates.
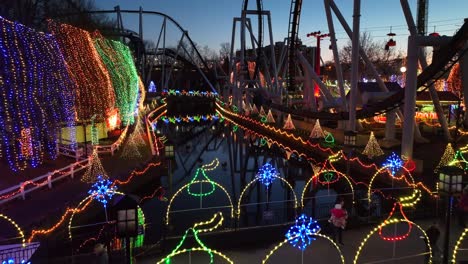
(102, 190)
(393, 163)
(302, 233)
(266, 174)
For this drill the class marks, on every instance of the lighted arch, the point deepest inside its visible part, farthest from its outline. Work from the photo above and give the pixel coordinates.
(406, 201)
(286, 241)
(87, 199)
(190, 183)
(254, 181)
(317, 175)
(195, 249)
(20, 231)
(457, 245)
(387, 222)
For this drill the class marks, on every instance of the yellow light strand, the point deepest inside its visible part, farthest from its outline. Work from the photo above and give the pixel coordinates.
(457, 245)
(162, 261)
(20, 231)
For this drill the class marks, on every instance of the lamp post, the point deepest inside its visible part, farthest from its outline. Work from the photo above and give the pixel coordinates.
(169, 154)
(450, 183)
(127, 222)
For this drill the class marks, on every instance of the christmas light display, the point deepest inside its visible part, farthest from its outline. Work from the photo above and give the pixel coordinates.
(459, 161)
(258, 179)
(266, 174)
(119, 63)
(388, 222)
(198, 182)
(95, 170)
(254, 110)
(317, 235)
(95, 95)
(317, 131)
(187, 119)
(195, 179)
(329, 139)
(393, 163)
(302, 233)
(12, 261)
(201, 246)
(447, 157)
(102, 190)
(269, 118)
(262, 111)
(36, 95)
(372, 148)
(152, 87)
(288, 124)
(20, 231)
(82, 205)
(338, 175)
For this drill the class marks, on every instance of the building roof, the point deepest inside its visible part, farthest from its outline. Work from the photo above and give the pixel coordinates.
(444, 96)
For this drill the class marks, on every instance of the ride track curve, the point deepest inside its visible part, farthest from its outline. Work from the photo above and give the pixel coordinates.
(446, 58)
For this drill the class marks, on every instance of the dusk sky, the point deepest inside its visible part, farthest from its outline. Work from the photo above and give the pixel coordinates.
(209, 22)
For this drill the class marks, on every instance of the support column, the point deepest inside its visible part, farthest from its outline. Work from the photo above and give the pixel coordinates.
(390, 125)
(410, 99)
(354, 66)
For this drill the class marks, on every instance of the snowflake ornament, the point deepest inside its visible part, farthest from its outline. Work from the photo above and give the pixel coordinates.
(302, 233)
(102, 190)
(393, 163)
(266, 174)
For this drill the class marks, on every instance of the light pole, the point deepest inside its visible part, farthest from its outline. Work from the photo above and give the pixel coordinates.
(169, 154)
(450, 183)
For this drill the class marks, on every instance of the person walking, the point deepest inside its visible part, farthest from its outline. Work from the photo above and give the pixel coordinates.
(338, 220)
(433, 234)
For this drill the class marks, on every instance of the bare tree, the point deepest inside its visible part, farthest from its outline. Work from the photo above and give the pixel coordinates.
(387, 62)
(224, 50)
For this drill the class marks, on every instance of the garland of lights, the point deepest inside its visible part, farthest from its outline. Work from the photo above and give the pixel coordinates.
(36, 96)
(95, 94)
(317, 175)
(119, 63)
(173, 92)
(18, 228)
(187, 119)
(202, 247)
(385, 223)
(195, 182)
(258, 179)
(265, 260)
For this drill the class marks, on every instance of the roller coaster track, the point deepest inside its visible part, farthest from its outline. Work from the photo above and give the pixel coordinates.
(447, 57)
(260, 35)
(293, 30)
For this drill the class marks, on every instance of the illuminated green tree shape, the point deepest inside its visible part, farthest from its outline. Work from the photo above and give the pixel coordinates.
(329, 139)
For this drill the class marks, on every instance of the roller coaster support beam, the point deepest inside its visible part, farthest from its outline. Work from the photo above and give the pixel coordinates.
(354, 66)
(422, 59)
(464, 76)
(336, 58)
(379, 80)
(410, 98)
